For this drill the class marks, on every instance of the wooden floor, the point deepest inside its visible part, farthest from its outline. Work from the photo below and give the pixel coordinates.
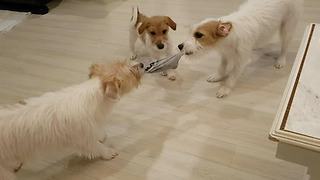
(164, 130)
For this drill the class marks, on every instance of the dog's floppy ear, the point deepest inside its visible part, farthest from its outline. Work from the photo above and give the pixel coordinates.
(223, 29)
(171, 23)
(143, 26)
(112, 89)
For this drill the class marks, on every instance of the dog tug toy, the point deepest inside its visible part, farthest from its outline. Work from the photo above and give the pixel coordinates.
(164, 64)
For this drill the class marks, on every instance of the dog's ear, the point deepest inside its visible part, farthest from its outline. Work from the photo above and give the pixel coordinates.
(171, 23)
(143, 26)
(112, 89)
(223, 29)
(93, 70)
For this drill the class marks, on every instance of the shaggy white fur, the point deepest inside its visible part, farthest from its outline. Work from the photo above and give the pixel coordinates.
(71, 118)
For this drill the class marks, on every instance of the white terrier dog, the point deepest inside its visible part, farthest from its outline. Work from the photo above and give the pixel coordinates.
(70, 118)
(154, 33)
(235, 36)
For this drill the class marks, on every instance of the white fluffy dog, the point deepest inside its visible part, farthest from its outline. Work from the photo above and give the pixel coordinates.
(70, 118)
(235, 36)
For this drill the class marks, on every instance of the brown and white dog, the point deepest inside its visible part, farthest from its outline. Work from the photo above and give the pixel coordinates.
(153, 32)
(235, 36)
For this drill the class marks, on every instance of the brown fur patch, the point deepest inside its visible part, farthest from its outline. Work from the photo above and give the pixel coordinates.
(208, 34)
(157, 27)
(141, 18)
(118, 77)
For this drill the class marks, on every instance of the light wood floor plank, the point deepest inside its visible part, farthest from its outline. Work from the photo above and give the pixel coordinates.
(164, 130)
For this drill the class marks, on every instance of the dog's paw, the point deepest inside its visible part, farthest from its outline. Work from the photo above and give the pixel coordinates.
(163, 73)
(216, 78)
(133, 56)
(172, 77)
(223, 91)
(18, 168)
(109, 154)
(280, 63)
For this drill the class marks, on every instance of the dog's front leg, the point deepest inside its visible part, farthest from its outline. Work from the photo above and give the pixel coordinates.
(222, 72)
(171, 72)
(239, 65)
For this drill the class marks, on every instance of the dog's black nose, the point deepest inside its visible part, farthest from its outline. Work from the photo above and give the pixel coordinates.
(180, 46)
(141, 65)
(160, 46)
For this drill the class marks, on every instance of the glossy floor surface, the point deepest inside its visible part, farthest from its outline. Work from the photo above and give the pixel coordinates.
(164, 130)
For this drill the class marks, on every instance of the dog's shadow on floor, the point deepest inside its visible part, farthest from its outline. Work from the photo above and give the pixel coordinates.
(261, 72)
(263, 67)
(148, 148)
(150, 143)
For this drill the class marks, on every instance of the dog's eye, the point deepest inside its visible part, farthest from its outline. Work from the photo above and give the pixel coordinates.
(164, 31)
(153, 33)
(198, 35)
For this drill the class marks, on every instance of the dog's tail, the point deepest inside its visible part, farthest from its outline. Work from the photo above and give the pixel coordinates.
(6, 175)
(135, 16)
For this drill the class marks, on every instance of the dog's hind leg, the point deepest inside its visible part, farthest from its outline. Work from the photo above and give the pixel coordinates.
(284, 38)
(287, 28)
